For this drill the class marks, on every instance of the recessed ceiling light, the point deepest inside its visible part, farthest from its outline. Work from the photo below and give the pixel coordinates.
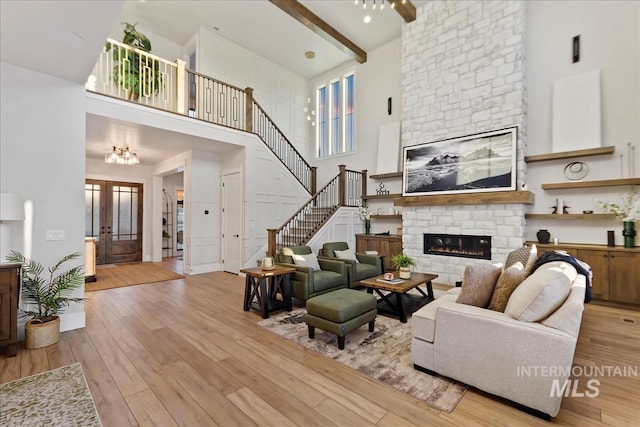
(309, 54)
(367, 19)
(65, 37)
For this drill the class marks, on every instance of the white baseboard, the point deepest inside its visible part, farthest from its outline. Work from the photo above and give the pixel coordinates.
(202, 268)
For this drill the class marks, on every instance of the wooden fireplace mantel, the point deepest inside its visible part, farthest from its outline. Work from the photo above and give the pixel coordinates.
(489, 198)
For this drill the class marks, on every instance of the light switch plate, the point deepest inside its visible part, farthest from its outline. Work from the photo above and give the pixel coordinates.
(56, 235)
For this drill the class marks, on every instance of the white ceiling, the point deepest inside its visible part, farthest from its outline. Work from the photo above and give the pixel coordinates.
(63, 39)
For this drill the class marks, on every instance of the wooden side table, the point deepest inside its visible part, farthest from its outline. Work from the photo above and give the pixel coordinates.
(261, 289)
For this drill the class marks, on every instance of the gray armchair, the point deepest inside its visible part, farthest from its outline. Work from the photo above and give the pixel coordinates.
(365, 267)
(307, 282)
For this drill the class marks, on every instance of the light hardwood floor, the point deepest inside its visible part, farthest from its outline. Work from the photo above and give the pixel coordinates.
(183, 352)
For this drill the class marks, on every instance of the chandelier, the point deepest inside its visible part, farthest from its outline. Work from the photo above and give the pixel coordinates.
(121, 156)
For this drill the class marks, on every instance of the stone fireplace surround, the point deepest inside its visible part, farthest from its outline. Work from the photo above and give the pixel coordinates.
(463, 73)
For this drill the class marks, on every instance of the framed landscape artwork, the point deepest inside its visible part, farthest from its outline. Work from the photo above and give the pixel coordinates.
(474, 163)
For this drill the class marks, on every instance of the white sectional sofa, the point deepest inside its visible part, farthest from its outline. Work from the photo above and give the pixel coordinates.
(497, 353)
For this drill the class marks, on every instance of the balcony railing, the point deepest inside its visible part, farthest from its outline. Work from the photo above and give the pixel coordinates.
(128, 73)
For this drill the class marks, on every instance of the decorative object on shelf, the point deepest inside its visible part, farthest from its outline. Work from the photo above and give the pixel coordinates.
(611, 238)
(587, 212)
(560, 208)
(403, 263)
(575, 171)
(365, 215)
(381, 190)
(627, 212)
(629, 233)
(543, 236)
(267, 263)
(556, 242)
(45, 296)
(476, 163)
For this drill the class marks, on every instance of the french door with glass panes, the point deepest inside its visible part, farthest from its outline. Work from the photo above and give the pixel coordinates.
(113, 212)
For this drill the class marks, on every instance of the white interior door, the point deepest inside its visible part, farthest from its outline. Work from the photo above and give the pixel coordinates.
(232, 221)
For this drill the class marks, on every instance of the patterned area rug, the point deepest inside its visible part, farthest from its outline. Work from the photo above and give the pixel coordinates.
(384, 355)
(59, 397)
(119, 275)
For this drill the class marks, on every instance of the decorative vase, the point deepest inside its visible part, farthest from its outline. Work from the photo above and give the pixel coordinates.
(367, 226)
(543, 236)
(629, 233)
(404, 272)
(38, 334)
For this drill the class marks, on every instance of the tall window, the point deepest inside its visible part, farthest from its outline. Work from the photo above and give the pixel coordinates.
(335, 133)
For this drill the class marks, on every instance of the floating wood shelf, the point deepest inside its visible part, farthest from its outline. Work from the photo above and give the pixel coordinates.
(589, 184)
(570, 216)
(489, 198)
(570, 154)
(394, 216)
(386, 175)
(382, 196)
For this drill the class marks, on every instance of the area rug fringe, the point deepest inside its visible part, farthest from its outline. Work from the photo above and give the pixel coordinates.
(383, 355)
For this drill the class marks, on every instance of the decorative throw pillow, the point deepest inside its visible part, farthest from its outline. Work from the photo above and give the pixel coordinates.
(508, 281)
(286, 255)
(538, 295)
(526, 255)
(478, 282)
(308, 260)
(346, 254)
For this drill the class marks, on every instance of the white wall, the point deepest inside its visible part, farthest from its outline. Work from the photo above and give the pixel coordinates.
(43, 159)
(610, 41)
(279, 91)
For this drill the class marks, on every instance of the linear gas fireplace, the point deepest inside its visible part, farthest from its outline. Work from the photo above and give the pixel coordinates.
(458, 245)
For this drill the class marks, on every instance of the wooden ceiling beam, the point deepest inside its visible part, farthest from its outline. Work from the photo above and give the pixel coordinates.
(406, 9)
(322, 28)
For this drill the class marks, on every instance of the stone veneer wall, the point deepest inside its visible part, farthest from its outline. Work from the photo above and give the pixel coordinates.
(463, 73)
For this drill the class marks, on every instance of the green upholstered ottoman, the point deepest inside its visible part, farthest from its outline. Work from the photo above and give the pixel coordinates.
(340, 312)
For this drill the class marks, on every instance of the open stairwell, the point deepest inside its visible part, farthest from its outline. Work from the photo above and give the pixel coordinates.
(189, 93)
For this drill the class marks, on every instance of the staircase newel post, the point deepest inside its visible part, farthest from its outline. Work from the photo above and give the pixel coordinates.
(181, 84)
(314, 180)
(342, 185)
(271, 241)
(248, 110)
(364, 184)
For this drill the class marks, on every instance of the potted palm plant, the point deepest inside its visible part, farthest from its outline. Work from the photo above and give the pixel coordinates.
(46, 294)
(134, 72)
(403, 263)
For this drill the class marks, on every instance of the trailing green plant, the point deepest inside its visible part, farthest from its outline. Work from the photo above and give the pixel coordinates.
(49, 291)
(135, 72)
(402, 260)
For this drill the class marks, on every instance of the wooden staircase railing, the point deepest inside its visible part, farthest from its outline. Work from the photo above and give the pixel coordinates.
(345, 189)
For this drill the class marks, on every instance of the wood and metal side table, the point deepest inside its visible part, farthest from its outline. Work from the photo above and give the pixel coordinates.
(262, 287)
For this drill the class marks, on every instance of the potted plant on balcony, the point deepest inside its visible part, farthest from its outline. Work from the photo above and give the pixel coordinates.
(403, 263)
(134, 72)
(46, 293)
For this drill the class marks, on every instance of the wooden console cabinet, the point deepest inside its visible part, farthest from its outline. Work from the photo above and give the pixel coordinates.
(386, 245)
(9, 280)
(616, 270)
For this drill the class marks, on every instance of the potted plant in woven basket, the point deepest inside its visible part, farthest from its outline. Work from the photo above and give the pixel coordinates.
(45, 294)
(403, 263)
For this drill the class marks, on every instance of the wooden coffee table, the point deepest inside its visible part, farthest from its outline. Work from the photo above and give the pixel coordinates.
(394, 299)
